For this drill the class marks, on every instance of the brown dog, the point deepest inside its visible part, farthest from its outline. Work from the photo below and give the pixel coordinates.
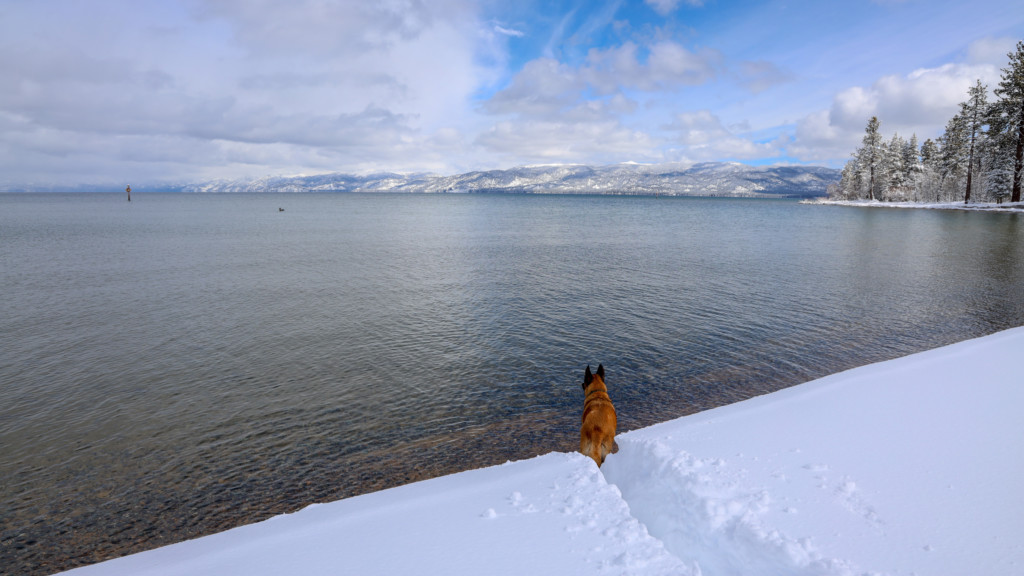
(597, 434)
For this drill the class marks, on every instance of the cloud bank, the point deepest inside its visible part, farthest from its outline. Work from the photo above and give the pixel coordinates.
(198, 89)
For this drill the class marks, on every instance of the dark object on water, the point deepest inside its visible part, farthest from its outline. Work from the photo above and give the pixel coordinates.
(280, 209)
(129, 191)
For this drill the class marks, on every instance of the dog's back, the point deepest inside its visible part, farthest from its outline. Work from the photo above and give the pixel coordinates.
(597, 434)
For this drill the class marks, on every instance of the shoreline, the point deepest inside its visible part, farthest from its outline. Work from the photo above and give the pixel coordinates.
(902, 466)
(1011, 207)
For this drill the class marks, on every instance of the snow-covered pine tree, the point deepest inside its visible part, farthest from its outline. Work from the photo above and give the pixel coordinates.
(929, 154)
(980, 154)
(1008, 120)
(928, 184)
(911, 161)
(952, 157)
(998, 170)
(893, 173)
(869, 156)
(849, 182)
(834, 191)
(975, 113)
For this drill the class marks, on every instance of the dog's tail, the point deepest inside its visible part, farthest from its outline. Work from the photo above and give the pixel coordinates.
(596, 450)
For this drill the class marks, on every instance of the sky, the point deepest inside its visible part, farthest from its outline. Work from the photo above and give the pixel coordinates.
(174, 91)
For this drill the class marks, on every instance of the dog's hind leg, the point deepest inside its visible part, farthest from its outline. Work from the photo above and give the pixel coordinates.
(589, 448)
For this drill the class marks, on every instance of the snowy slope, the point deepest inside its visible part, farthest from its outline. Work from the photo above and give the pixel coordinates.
(553, 514)
(707, 179)
(910, 466)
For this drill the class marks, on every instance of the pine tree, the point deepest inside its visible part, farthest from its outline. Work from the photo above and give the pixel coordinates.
(952, 155)
(848, 182)
(999, 167)
(929, 183)
(869, 157)
(911, 161)
(980, 154)
(929, 154)
(1008, 118)
(974, 112)
(893, 174)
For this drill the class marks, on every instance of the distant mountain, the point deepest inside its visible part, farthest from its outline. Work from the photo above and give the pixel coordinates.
(707, 179)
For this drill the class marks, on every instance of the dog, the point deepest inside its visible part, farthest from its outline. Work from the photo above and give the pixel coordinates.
(597, 433)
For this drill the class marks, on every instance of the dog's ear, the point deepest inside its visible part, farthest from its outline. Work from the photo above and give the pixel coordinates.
(600, 371)
(587, 377)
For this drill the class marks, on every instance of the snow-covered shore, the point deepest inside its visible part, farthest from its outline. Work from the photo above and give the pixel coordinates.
(975, 207)
(911, 466)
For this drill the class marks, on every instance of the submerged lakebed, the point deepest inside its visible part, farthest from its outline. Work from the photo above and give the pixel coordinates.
(183, 364)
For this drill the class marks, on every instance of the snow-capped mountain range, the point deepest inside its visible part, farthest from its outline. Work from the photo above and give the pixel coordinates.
(707, 179)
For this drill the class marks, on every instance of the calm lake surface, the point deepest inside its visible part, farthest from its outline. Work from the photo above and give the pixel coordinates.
(183, 364)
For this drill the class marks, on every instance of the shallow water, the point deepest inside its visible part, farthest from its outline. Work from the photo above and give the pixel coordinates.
(183, 364)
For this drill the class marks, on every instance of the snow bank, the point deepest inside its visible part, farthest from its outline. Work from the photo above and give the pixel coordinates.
(959, 205)
(910, 466)
(551, 514)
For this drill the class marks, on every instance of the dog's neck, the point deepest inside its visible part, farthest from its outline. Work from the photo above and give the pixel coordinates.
(595, 388)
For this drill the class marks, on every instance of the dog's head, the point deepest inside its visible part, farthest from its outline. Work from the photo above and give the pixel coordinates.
(588, 377)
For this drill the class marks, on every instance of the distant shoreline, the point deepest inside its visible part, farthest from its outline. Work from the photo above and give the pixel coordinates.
(974, 207)
(488, 192)
(703, 179)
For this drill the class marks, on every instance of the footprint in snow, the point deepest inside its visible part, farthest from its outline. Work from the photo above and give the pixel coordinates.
(520, 504)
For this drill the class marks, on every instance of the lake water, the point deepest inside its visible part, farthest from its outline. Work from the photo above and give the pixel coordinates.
(182, 364)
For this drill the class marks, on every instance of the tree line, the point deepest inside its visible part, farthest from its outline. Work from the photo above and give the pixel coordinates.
(979, 157)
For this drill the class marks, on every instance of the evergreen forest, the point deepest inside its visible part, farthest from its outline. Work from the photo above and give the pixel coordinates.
(978, 158)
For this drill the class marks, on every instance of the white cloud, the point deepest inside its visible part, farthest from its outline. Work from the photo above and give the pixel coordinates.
(760, 75)
(554, 119)
(548, 89)
(703, 137)
(331, 84)
(204, 88)
(544, 88)
(991, 51)
(920, 103)
(818, 139)
(590, 142)
(508, 31)
(666, 7)
(697, 128)
(668, 66)
(323, 28)
(579, 112)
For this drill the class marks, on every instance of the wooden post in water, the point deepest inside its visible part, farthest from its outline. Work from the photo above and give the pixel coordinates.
(129, 191)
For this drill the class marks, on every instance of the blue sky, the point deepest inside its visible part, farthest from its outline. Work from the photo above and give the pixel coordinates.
(154, 91)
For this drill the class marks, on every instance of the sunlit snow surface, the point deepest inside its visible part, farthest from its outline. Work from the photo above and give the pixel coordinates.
(911, 466)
